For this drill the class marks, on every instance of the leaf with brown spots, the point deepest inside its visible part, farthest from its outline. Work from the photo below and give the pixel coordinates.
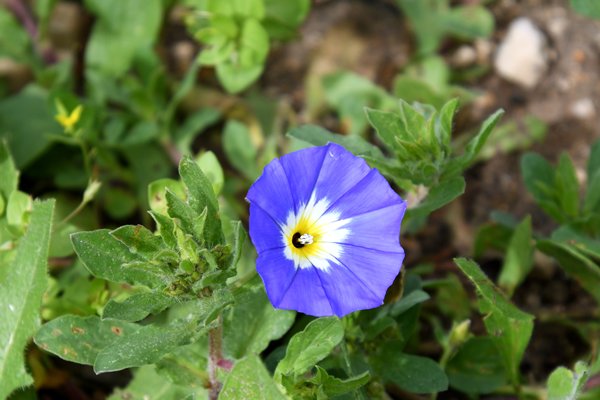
(80, 339)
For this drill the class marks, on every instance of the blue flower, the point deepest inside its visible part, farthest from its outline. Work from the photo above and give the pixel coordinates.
(326, 228)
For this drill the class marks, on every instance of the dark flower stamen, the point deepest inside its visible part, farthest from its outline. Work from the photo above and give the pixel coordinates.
(300, 240)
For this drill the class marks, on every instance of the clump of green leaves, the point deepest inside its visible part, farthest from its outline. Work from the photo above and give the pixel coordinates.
(425, 163)
(575, 243)
(238, 35)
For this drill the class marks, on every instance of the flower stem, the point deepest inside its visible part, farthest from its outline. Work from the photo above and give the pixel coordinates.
(215, 355)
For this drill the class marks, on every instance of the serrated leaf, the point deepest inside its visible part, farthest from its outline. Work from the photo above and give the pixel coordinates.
(253, 323)
(201, 196)
(80, 339)
(189, 220)
(23, 283)
(137, 307)
(165, 227)
(310, 346)
(107, 258)
(519, 257)
(564, 384)
(510, 326)
(249, 379)
(575, 264)
(414, 374)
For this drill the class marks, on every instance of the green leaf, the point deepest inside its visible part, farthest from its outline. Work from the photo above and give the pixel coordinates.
(332, 386)
(567, 186)
(249, 379)
(157, 191)
(14, 41)
(408, 301)
(476, 143)
(23, 284)
(476, 367)
(165, 227)
(575, 264)
(201, 196)
(310, 346)
(18, 209)
(253, 323)
(146, 345)
(106, 50)
(592, 195)
(349, 93)
(211, 168)
(25, 122)
(147, 384)
(519, 257)
(139, 240)
(388, 126)
(239, 149)
(283, 17)
(589, 8)
(538, 176)
(81, 339)
(191, 222)
(187, 365)
(510, 326)
(593, 164)
(137, 306)
(414, 374)
(9, 176)
(564, 384)
(107, 258)
(439, 196)
(583, 243)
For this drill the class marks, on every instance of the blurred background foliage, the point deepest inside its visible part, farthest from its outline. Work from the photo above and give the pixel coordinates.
(100, 100)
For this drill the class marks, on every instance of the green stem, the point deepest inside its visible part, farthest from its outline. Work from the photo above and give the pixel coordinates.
(215, 354)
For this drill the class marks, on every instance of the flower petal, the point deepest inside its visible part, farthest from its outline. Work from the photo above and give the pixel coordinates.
(306, 294)
(373, 192)
(340, 171)
(265, 233)
(277, 273)
(374, 268)
(360, 230)
(271, 192)
(302, 170)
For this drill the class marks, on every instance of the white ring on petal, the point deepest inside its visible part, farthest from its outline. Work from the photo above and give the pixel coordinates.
(327, 228)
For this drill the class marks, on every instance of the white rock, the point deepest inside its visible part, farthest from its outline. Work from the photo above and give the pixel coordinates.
(521, 57)
(583, 108)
